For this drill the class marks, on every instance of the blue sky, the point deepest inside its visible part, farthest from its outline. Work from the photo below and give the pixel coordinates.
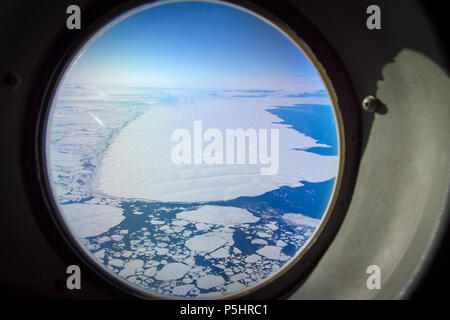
(194, 44)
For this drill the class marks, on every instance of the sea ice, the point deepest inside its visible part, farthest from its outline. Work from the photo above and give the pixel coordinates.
(100, 254)
(150, 271)
(234, 287)
(103, 240)
(281, 243)
(300, 220)
(147, 171)
(182, 290)
(180, 223)
(259, 241)
(252, 258)
(156, 221)
(272, 226)
(210, 241)
(220, 253)
(131, 267)
(263, 234)
(238, 276)
(172, 271)
(116, 262)
(201, 226)
(90, 220)
(127, 254)
(218, 215)
(116, 237)
(210, 281)
(272, 252)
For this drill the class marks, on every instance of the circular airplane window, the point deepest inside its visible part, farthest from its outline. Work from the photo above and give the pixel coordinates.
(193, 149)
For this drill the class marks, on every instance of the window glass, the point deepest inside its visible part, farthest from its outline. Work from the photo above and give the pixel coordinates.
(192, 149)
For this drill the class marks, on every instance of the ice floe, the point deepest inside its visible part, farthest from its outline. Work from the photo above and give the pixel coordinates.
(272, 252)
(116, 237)
(281, 243)
(300, 220)
(239, 276)
(182, 290)
(116, 262)
(210, 241)
(89, 220)
(172, 271)
(252, 258)
(234, 287)
(259, 241)
(100, 254)
(220, 253)
(131, 267)
(150, 272)
(218, 215)
(210, 281)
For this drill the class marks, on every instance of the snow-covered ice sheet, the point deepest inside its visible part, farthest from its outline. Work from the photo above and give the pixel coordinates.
(138, 163)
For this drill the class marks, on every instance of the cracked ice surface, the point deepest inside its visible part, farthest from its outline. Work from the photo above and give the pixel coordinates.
(210, 241)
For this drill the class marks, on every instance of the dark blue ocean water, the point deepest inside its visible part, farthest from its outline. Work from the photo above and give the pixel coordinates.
(315, 121)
